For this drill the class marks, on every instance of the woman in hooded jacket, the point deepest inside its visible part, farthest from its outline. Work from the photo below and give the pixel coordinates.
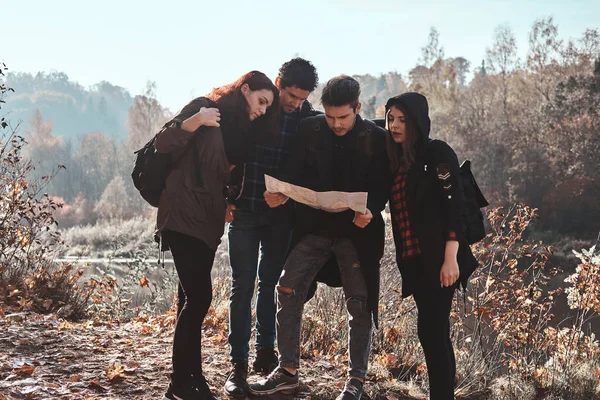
(427, 209)
(206, 139)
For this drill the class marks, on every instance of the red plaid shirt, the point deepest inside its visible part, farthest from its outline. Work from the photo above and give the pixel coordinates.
(410, 243)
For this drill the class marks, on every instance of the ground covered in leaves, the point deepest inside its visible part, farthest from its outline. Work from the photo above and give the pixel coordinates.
(44, 357)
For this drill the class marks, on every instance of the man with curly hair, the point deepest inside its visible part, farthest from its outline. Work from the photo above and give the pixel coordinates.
(259, 237)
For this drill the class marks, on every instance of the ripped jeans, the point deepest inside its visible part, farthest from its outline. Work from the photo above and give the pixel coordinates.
(301, 267)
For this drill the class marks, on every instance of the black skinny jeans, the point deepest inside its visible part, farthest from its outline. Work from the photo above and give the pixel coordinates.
(433, 327)
(193, 262)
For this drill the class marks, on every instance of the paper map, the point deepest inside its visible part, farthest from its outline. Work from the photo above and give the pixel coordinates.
(327, 201)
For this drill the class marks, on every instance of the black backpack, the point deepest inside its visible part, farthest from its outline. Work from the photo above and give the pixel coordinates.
(150, 171)
(474, 202)
(152, 168)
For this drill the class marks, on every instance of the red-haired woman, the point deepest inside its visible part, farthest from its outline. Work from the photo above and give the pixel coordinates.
(208, 137)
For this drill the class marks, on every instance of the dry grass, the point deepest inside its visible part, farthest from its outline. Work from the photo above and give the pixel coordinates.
(505, 344)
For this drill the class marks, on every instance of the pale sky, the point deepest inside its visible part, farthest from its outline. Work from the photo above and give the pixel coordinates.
(188, 47)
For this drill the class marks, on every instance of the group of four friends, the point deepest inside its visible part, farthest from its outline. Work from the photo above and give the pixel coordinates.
(238, 133)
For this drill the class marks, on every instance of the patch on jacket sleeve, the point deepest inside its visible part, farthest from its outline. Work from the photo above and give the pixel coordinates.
(443, 173)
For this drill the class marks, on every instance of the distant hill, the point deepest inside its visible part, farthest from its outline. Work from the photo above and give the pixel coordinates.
(73, 110)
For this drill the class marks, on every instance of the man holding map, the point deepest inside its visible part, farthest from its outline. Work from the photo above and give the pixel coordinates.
(335, 152)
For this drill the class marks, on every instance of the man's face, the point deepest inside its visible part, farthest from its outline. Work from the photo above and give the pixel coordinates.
(341, 119)
(291, 98)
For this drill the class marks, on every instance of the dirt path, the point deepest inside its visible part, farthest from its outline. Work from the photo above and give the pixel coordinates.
(42, 357)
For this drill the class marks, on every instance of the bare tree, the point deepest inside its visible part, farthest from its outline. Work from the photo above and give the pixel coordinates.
(115, 201)
(543, 58)
(432, 51)
(97, 159)
(146, 116)
(502, 58)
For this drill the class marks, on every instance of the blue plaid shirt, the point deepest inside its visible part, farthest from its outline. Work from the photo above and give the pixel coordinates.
(268, 160)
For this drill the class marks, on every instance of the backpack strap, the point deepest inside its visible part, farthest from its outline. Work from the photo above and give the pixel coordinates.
(365, 137)
(312, 140)
(306, 110)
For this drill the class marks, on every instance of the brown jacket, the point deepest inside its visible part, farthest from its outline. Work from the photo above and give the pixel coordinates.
(190, 204)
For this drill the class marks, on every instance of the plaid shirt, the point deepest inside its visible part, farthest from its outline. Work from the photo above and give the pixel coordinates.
(265, 159)
(410, 242)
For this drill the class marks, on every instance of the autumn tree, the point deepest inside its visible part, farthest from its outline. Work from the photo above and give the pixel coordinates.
(50, 154)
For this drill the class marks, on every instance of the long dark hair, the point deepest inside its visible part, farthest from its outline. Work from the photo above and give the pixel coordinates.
(406, 152)
(238, 130)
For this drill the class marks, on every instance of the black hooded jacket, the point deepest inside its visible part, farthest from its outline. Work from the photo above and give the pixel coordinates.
(435, 203)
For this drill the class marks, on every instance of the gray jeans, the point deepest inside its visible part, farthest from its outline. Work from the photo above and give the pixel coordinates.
(301, 267)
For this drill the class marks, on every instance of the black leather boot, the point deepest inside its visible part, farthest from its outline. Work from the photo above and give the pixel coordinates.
(237, 385)
(266, 360)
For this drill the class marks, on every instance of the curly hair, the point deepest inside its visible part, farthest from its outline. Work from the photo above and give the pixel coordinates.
(300, 73)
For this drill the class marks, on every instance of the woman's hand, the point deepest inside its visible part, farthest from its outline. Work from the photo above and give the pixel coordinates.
(449, 273)
(204, 117)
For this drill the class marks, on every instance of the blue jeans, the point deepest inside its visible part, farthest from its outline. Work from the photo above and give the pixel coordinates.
(301, 268)
(269, 232)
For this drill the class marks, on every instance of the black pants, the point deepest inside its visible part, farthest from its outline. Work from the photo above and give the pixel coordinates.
(433, 327)
(193, 262)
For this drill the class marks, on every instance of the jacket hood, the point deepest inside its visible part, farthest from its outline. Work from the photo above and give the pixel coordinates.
(417, 106)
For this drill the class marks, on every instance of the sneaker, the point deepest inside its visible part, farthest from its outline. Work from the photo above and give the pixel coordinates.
(353, 389)
(277, 381)
(266, 360)
(236, 384)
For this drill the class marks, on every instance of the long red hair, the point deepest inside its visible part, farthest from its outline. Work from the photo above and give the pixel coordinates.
(234, 107)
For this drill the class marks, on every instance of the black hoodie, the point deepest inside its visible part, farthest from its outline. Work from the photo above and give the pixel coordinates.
(435, 201)
(417, 106)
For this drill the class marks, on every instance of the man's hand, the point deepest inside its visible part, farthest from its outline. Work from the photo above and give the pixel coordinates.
(229, 213)
(204, 117)
(275, 199)
(362, 220)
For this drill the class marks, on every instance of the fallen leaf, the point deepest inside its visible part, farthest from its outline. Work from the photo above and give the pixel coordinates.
(63, 326)
(74, 378)
(144, 282)
(94, 384)
(25, 370)
(115, 372)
